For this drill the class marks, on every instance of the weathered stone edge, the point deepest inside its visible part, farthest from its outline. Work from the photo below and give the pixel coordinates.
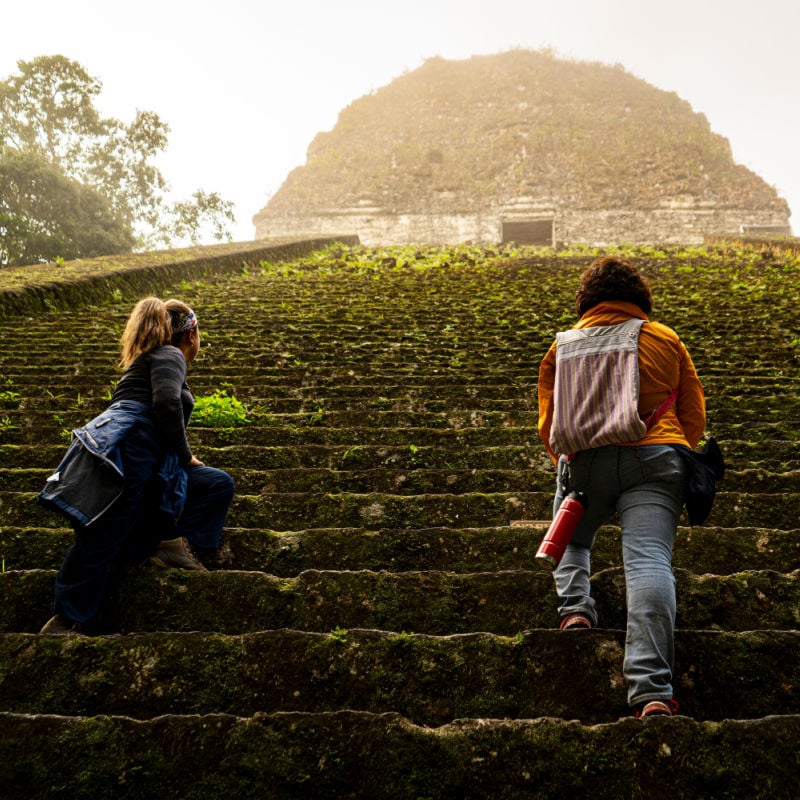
(431, 680)
(93, 280)
(358, 754)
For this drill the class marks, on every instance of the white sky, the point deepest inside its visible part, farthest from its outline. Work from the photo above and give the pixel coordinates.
(245, 85)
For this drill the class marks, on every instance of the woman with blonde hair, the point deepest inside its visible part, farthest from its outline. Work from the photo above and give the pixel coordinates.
(129, 482)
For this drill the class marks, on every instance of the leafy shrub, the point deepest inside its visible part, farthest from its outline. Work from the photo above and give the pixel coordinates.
(219, 410)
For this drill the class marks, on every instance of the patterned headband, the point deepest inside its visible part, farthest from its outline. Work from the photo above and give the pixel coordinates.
(187, 323)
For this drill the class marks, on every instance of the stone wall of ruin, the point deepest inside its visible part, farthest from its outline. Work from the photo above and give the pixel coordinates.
(662, 225)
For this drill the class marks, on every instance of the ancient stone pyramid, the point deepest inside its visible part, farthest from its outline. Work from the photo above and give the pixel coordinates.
(377, 627)
(521, 144)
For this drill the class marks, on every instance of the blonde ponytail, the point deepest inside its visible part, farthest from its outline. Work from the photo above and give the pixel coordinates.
(148, 326)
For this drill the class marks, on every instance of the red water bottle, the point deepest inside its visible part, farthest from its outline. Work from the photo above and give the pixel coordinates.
(559, 534)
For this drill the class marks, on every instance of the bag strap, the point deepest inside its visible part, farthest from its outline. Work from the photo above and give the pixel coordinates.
(656, 415)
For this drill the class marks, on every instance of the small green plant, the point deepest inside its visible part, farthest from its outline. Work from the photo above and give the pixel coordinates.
(351, 454)
(109, 393)
(6, 425)
(339, 634)
(9, 399)
(219, 410)
(317, 417)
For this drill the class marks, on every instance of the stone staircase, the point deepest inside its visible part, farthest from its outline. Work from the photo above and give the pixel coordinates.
(375, 626)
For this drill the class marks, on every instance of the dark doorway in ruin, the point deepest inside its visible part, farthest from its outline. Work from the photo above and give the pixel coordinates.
(529, 231)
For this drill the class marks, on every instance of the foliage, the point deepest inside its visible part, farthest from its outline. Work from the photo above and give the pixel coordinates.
(219, 410)
(49, 124)
(47, 216)
(49, 108)
(9, 398)
(204, 208)
(339, 635)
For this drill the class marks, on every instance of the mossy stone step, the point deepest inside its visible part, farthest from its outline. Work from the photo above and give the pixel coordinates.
(455, 433)
(410, 409)
(721, 551)
(380, 380)
(430, 680)
(323, 510)
(335, 457)
(281, 382)
(469, 358)
(301, 510)
(441, 437)
(386, 380)
(404, 482)
(437, 602)
(744, 463)
(343, 413)
(314, 435)
(412, 480)
(342, 754)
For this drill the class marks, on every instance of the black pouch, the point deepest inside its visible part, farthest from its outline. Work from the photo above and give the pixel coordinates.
(705, 467)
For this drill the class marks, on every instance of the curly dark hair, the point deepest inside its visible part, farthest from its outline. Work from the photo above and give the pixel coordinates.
(612, 278)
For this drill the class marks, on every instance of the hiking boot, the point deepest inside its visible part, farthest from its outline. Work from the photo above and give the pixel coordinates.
(577, 620)
(176, 553)
(59, 625)
(658, 708)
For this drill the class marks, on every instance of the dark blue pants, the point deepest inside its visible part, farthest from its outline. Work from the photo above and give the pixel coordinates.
(131, 529)
(209, 493)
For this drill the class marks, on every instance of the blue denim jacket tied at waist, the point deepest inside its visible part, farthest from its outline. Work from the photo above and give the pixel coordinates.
(91, 476)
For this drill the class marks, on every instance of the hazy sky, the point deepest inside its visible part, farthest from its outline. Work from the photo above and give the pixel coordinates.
(245, 85)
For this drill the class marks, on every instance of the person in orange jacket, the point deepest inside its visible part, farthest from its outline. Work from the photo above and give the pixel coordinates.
(640, 479)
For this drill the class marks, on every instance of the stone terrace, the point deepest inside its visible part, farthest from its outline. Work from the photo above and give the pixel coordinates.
(375, 625)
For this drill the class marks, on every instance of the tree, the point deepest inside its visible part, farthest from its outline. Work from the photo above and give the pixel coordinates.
(49, 108)
(44, 215)
(48, 115)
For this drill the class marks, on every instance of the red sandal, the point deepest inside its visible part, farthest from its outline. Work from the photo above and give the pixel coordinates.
(576, 620)
(658, 708)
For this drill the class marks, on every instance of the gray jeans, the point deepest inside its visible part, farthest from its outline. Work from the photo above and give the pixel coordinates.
(644, 486)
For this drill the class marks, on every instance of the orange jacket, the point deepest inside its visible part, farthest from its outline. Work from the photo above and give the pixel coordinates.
(664, 364)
